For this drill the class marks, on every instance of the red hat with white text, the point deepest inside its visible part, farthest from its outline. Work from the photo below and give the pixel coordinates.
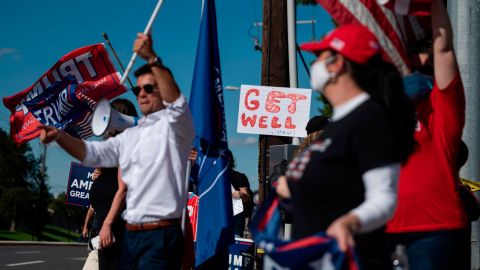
(355, 42)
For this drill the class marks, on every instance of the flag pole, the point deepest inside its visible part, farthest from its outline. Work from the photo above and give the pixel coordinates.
(145, 32)
(187, 180)
(116, 56)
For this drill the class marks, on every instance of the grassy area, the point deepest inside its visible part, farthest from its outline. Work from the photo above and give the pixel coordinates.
(49, 233)
(15, 236)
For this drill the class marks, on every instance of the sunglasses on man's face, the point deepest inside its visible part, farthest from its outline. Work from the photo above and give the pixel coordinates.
(148, 88)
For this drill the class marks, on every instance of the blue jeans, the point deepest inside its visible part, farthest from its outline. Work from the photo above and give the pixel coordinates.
(153, 249)
(448, 249)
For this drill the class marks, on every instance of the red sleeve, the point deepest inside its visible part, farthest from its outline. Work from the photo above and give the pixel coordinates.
(449, 115)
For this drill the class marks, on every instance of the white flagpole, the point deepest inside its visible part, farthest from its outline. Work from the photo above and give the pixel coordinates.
(185, 210)
(147, 30)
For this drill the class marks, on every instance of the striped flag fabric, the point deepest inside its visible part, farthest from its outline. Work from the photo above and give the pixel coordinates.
(317, 251)
(65, 95)
(394, 31)
(72, 113)
(408, 7)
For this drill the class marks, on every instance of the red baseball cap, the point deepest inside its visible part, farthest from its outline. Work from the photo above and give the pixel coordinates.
(355, 42)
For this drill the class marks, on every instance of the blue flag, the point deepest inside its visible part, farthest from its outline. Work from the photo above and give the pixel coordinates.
(215, 214)
(62, 107)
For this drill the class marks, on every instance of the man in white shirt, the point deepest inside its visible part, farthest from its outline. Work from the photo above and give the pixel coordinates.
(152, 158)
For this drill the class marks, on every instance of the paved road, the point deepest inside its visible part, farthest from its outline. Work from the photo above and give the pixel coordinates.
(35, 257)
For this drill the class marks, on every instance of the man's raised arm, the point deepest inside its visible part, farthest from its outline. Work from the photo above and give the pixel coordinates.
(169, 90)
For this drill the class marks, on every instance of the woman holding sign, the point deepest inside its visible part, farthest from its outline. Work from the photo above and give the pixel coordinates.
(102, 194)
(346, 183)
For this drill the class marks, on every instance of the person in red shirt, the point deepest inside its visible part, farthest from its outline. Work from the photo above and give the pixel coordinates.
(430, 219)
(344, 184)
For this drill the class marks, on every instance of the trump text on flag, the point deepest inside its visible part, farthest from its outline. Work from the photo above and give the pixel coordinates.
(274, 111)
(65, 94)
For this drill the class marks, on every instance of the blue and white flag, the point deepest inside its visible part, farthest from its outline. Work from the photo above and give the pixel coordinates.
(59, 106)
(215, 215)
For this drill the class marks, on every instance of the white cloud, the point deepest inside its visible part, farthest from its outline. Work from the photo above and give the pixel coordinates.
(251, 140)
(6, 52)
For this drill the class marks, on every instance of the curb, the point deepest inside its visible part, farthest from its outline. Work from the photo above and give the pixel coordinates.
(40, 243)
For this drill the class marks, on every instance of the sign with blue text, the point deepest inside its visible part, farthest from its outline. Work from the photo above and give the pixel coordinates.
(79, 183)
(241, 254)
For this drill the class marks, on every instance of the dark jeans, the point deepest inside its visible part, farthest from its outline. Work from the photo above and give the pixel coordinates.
(239, 220)
(110, 258)
(448, 249)
(153, 249)
(372, 250)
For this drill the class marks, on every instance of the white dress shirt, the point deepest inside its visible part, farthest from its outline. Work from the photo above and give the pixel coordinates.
(152, 157)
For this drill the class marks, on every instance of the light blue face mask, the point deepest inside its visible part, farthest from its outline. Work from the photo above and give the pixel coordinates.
(417, 85)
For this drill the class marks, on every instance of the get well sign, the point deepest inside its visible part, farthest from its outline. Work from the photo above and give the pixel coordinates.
(276, 111)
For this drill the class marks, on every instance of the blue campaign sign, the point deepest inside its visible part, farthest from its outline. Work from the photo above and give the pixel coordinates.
(79, 183)
(241, 254)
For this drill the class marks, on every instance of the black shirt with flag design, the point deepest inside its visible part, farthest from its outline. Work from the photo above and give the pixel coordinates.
(326, 179)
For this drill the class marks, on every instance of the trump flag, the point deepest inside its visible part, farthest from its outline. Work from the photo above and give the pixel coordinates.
(215, 216)
(65, 95)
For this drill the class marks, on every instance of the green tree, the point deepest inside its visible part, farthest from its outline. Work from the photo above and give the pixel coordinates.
(65, 215)
(19, 186)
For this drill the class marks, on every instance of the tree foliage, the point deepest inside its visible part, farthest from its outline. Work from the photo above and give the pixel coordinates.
(21, 204)
(65, 215)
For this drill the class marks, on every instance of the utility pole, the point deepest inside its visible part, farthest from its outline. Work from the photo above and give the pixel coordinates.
(41, 196)
(465, 17)
(274, 73)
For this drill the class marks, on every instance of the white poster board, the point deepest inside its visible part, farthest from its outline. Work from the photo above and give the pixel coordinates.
(271, 110)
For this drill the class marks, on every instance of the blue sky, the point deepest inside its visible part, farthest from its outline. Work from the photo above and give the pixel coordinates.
(35, 34)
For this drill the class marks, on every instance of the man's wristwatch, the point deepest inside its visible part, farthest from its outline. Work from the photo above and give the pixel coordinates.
(157, 62)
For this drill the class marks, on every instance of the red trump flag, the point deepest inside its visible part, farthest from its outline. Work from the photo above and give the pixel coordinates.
(65, 95)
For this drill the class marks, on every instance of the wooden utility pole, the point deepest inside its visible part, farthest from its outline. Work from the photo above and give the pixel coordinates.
(274, 73)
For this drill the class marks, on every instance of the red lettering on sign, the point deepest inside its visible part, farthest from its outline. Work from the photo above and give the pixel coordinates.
(262, 122)
(288, 123)
(270, 105)
(292, 108)
(275, 123)
(249, 120)
(253, 104)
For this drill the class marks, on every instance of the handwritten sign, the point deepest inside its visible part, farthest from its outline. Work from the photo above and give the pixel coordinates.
(270, 110)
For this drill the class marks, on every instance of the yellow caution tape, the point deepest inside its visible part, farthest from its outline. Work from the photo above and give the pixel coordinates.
(473, 185)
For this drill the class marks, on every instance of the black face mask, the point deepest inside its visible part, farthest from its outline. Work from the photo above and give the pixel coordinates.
(425, 70)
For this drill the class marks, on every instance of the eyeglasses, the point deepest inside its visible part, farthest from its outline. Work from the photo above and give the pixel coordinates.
(147, 87)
